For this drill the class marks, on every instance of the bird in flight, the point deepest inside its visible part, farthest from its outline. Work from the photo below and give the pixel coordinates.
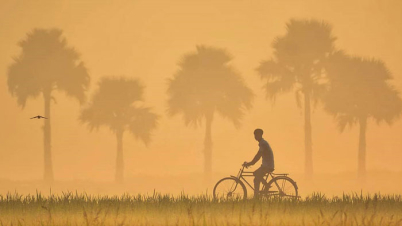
(38, 117)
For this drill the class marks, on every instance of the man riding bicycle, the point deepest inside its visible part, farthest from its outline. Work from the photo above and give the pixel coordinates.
(267, 165)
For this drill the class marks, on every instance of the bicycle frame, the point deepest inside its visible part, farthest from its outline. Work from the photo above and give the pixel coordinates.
(242, 174)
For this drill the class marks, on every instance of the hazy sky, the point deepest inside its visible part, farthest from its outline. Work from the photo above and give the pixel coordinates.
(145, 39)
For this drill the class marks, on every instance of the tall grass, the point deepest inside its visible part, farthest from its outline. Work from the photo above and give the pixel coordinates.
(162, 209)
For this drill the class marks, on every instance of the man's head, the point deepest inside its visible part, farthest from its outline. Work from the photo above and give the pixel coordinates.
(258, 134)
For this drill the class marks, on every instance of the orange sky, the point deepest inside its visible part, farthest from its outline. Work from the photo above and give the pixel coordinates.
(145, 39)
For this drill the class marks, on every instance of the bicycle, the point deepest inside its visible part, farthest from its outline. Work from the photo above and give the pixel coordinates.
(280, 185)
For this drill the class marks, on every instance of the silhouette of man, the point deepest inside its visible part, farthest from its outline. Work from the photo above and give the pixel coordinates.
(267, 165)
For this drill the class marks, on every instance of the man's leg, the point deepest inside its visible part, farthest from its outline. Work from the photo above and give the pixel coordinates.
(266, 170)
(258, 177)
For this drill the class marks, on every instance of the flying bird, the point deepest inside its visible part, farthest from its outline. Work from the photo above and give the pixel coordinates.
(38, 117)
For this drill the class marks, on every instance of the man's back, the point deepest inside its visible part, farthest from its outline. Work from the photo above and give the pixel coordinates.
(267, 154)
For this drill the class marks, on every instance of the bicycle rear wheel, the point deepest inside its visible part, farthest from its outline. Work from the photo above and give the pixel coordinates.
(281, 187)
(230, 188)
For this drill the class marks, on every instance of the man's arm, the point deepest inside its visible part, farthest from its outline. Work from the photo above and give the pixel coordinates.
(255, 159)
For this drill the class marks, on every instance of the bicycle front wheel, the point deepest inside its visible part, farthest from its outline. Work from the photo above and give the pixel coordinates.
(281, 187)
(230, 188)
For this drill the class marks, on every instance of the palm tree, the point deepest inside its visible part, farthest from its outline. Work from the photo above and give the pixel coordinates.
(206, 83)
(116, 104)
(297, 65)
(358, 91)
(46, 64)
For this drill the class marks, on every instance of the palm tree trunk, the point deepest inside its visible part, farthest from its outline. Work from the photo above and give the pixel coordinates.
(361, 162)
(48, 174)
(308, 144)
(208, 147)
(119, 177)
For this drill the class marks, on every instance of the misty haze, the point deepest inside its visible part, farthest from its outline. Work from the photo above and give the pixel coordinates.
(164, 97)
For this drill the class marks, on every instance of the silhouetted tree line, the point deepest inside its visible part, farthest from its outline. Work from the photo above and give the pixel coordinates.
(305, 61)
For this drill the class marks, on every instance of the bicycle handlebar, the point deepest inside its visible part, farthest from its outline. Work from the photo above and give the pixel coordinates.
(242, 169)
(244, 163)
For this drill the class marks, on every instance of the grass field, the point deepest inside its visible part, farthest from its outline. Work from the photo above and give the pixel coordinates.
(158, 209)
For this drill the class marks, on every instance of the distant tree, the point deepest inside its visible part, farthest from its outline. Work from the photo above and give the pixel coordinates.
(206, 83)
(117, 105)
(297, 65)
(358, 91)
(47, 64)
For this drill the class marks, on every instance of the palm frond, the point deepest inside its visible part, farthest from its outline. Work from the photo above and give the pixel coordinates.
(142, 122)
(345, 120)
(204, 83)
(279, 78)
(113, 104)
(21, 83)
(389, 105)
(94, 117)
(299, 58)
(236, 98)
(46, 62)
(74, 82)
(359, 87)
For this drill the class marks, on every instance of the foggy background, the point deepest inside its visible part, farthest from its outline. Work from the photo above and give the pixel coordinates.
(146, 40)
